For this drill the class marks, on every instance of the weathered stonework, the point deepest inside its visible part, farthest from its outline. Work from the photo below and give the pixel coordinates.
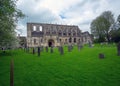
(39, 34)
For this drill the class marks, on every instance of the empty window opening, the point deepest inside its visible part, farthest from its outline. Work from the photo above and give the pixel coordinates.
(34, 28)
(74, 40)
(40, 28)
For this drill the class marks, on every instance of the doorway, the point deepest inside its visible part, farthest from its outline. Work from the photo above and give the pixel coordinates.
(50, 42)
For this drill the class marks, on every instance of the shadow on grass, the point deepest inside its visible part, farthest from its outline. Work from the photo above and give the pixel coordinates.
(6, 53)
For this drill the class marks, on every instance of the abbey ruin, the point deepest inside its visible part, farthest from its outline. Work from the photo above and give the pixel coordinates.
(40, 34)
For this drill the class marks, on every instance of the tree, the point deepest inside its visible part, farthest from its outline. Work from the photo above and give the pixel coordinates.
(115, 32)
(100, 27)
(9, 16)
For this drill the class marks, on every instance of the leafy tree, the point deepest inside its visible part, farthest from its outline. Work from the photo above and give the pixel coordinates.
(115, 32)
(9, 16)
(100, 27)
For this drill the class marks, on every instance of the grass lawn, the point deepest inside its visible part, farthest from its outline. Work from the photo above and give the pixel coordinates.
(76, 68)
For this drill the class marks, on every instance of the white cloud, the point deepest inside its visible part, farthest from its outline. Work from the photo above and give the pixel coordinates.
(75, 12)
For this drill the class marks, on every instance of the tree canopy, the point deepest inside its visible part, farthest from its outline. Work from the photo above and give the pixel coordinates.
(9, 15)
(100, 27)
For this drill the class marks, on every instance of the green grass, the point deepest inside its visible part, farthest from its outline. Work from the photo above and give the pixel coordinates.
(76, 68)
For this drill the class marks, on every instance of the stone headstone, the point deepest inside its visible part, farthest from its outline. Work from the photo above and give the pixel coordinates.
(90, 44)
(46, 48)
(79, 47)
(61, 50)
(69, 48)
(27, 49)
(33, 50)
(42, 48)
(51, 49)
(118, 49)
(101, 56)
(38, 51)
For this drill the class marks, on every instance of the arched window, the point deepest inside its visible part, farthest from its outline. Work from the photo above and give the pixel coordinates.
(48, 32)
(40, 28)
(60, 33)
(69, 33)
(74, 40)
(74, 33)
(34, 28)
(35, 41)
(60, 40)
(53, 32)
(66, 40)
(64, 33)
(70, 39)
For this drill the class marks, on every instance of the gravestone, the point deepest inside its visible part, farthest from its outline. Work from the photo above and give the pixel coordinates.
(118, 49)
(69, 48)
(42, 48)
(38, 51)
(51, 49)
(61, 50)
(90, 44)
(58, 48)
(46, 48)
(33, 50)
(12, 73)
(101, 56)
(27, 49)
(79, 47)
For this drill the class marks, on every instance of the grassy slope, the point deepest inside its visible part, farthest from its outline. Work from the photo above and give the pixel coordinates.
(76, 68)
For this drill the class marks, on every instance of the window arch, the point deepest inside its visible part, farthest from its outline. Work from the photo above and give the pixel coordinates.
(40, 28)
(64, 33)
(34, 28)
(74, 40)
(70, 39)
(60, 33)
(69, 32)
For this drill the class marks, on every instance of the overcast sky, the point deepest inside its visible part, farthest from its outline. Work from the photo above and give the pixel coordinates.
(67, 12)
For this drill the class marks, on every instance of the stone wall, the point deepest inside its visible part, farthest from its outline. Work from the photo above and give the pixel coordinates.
(39, 34)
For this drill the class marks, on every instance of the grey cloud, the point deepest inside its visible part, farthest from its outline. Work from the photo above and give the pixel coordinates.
(70, 13)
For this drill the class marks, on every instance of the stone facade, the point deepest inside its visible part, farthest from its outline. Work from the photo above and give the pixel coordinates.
(22, 41)
(86, 37)
(40, 34)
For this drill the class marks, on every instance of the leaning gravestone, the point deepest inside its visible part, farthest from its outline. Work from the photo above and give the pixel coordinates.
(101, 56)
(38, 51)
(118, 49)
(46, 48)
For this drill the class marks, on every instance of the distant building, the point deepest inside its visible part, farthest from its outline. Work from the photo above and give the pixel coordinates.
(39, 34)
(86, 37)
(22, 41)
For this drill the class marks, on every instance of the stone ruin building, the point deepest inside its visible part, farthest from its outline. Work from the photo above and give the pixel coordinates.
(40, 34)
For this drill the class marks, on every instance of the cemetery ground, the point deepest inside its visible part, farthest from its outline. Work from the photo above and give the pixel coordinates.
(75, 68)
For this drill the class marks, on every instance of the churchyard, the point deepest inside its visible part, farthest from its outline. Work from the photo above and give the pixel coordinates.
(62, 66)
